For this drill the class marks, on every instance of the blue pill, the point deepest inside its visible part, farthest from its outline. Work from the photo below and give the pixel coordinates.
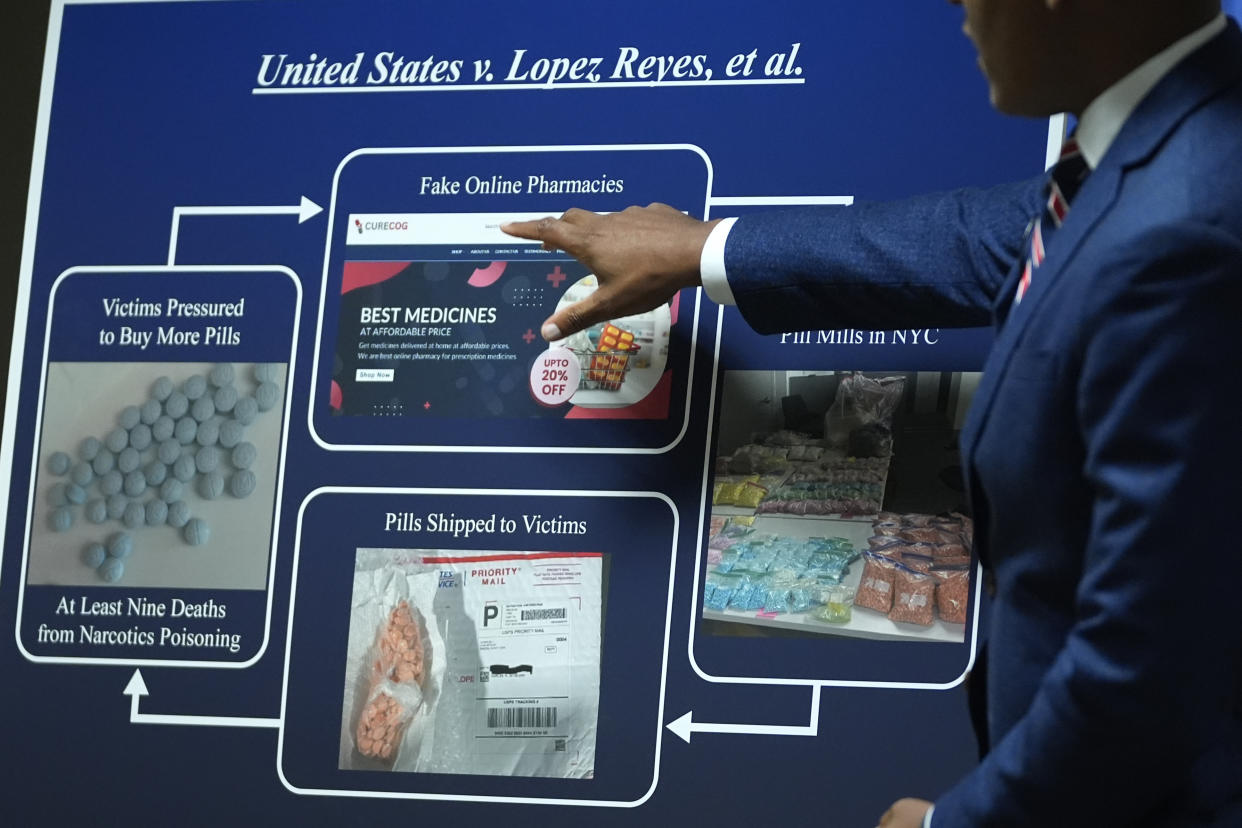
(242, 483)
(89, 447)
(184, 468)
(266, 371)
(120, 545)
(267, 395)
(194, 387)
(93, 555)
(111, 483)
(96, 511)
(129, 417)
(171, 490)
(58, 495)
(82, 474)
(169, 451)
(246, 410)
(231, 433)
(208, 433)
(75, 494)
(112, 570)
(116, 506)
(140, 437)
(222, 374)
(103, 462)
(134, 515)
(225, 398)
(117, 439)
(163, 428)
(178, 514)
(62, 518)
(157, 512)
(186, 430)
(128, 460)
(244, 455)
(203, 409)
(176, 405)
(196, 532)
(135, 483)
(156, 473)
(161, 388)
(59, 462)
(150, 412)
(211, 485)
(207, 459)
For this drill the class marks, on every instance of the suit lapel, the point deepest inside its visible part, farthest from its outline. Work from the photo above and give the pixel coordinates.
(1189, 86)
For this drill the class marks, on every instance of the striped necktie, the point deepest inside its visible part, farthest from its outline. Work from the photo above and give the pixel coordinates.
(1062, 185)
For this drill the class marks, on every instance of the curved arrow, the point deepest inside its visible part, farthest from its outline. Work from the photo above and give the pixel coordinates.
(137, 688)
(304, 210)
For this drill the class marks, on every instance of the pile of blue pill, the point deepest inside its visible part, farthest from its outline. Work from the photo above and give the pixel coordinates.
(181, 440)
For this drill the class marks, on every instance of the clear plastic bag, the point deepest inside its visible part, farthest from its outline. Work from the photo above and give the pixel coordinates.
(388, 712)
(914, 597)
(875, 591)
(862, 401)
(397, 670)
(952, 592)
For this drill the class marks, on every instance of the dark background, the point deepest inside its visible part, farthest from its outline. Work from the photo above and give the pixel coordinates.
(22, 36)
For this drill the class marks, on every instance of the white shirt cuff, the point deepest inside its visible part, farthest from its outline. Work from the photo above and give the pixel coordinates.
(927, 817)
(712, 265)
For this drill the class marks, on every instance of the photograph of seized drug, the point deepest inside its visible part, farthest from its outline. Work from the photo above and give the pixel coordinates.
(186, 439)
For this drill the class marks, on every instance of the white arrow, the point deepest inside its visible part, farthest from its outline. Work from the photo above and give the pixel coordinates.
(304, 210)
(686, 725)
(137, 688)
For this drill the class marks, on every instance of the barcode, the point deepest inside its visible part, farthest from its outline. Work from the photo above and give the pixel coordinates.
(521, 717)
(543, 614)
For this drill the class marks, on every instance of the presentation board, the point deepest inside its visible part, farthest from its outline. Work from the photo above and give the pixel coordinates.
(305, 523)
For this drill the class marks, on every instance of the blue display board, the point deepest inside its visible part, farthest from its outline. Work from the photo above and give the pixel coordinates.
(304, 523)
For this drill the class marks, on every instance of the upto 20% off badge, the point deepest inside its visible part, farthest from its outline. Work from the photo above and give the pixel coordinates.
(554, 376)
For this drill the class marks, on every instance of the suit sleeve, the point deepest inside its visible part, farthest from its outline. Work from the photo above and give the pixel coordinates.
(936, 260)
(1136, 711)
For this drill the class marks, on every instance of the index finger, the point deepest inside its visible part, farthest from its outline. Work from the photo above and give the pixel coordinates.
(553, 232)
(526, 229)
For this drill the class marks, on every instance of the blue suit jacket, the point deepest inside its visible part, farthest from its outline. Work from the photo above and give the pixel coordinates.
(1103, 451)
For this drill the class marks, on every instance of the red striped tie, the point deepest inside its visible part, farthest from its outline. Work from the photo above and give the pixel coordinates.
(1062, 185)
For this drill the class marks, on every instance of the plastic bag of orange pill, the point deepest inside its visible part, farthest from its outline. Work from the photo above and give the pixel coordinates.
(394, 668)
(384, 719)
(875, 591)
(914, 597)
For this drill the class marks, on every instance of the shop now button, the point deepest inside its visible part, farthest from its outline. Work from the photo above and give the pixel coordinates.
(373, 375)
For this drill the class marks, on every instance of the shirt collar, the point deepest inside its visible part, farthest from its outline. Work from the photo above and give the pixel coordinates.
(1104, 117)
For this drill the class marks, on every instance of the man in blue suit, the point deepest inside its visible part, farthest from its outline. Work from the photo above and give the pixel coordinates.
(1102, 452)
